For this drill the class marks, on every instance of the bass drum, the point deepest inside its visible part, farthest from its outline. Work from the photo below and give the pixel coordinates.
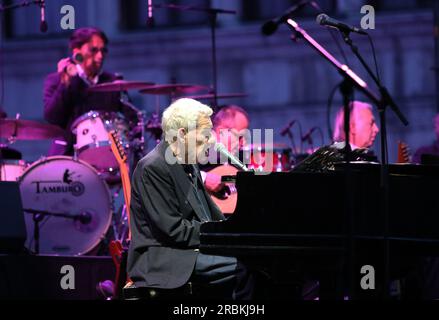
(62, 184)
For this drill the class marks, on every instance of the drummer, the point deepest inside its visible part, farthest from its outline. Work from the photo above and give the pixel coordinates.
(65, 92)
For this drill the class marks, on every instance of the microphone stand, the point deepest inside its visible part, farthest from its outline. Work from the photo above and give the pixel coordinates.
(293, 144)
(38, 216)
(290, 135)
(12, 7)
(213, 15)
(384, 172)
(351, 81)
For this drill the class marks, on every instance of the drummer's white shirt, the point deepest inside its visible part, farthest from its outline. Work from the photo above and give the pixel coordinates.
(83, 76)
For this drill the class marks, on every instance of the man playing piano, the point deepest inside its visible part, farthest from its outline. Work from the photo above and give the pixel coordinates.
(230, 125)
(168, 204)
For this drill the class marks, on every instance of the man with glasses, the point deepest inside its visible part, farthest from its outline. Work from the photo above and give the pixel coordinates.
(65, 92)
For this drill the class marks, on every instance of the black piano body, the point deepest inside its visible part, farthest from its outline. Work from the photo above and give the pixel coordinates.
(299, 223)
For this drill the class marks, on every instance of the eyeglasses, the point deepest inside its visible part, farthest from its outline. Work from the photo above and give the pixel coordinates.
(95, 50)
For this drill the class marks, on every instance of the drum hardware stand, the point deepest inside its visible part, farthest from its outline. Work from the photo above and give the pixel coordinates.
(114, 222)
(13, 138)
(213, 15)
(120, 225)
(141, 125)
(119, 221)
(123, 223)
(38, 216)
(75, 153)
(139, 145)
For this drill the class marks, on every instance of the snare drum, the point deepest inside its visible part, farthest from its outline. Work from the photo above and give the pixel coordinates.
(11, 170)
(61, 184)
(92, 141)
(275, 158)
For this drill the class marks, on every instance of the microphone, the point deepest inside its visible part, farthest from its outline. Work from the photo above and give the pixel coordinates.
(150, 19)
(219, 147)
(307, 136)
(77, 58)
(270, 27)
(287, 128)
(325, 20)
(43, 23)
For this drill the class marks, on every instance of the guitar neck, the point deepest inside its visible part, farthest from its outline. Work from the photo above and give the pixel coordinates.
(126, 185)
(122, 160)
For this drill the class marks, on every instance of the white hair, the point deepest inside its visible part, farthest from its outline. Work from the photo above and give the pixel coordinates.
(183, 113)
(339, 134)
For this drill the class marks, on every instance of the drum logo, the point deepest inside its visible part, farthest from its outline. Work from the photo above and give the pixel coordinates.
(66, 185)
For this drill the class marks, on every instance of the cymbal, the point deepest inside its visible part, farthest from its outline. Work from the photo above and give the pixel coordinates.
(154, 128)
(174, 88)
(120, 85)
(211, 96)
(29, 130)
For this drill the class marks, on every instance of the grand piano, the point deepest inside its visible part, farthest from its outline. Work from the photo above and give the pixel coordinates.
(294, 227)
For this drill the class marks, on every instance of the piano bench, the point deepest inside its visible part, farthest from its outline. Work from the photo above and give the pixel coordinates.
(132, 292)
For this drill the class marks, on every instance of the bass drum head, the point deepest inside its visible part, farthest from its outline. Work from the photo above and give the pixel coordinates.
(61, 184)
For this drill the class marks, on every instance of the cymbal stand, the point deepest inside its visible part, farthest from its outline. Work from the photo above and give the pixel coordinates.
(213, 15)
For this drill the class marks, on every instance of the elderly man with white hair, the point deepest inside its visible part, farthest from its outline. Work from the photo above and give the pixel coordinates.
(168, 204)
(362, 133)
(362, 130)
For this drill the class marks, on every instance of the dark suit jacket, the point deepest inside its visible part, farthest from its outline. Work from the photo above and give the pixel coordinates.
(64, 104)
(432, 149)
(165, 222)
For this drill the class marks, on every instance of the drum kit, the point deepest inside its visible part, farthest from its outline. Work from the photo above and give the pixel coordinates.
(69, 200)
(272, 158)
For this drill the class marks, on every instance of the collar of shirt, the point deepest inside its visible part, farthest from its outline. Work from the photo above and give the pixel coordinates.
(83, 76)
(190, 169)
(341, 144)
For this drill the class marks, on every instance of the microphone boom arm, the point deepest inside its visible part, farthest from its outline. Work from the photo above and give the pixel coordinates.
(343, 69)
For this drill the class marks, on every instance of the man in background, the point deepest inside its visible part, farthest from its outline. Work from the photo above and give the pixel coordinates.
(362, 133)
(362, 130)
